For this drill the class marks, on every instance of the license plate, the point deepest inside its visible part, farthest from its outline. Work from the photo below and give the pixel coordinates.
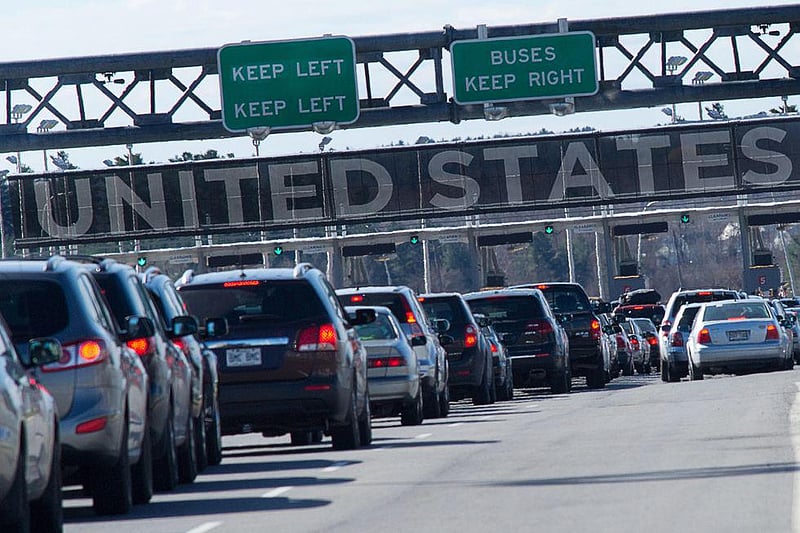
(243, 356)
(738, 335)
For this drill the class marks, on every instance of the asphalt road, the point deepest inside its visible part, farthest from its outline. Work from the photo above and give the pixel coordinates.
(640, 455)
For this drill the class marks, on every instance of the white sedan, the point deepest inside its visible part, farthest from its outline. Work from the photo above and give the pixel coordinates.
(737, 336)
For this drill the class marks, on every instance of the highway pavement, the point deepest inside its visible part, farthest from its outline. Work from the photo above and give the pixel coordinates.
(639, 455)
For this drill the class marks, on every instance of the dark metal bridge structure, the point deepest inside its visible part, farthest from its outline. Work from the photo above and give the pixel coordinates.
(643, 61)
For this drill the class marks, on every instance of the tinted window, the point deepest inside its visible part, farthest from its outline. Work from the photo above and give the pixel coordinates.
(508, 307)
(445, 308)
(566, 299)
(736, 311)
(380, 329)
(687, 318)
(276, 301)
(35, 308)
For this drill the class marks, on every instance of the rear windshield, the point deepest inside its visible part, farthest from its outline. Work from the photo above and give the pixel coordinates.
(653, 312)
(33, 308)
(508, 307)
(566, 298)
(700, 297)
(687, 318)
(646, 326)
(736, 311)
(393, 301)
(272, 301)
(380, 329)
(449, 309)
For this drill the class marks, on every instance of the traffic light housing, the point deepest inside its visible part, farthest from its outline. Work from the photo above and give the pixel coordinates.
(141, 261)
(685, 218)
(278, 250)
(549, 229)
(414, 239)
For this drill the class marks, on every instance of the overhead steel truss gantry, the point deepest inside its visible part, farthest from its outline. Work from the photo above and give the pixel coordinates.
(643, 61)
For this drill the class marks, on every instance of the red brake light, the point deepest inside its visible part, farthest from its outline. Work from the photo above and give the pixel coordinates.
(410, 318)
(676, 339)
(383, 362)
(638, 307)
(652, 341)
(91, 426)
(595, 329)
(470, 336)
(141, 346)
(703, 336)
(704, 293)
(541, 287)
(243, 283)
(79, 354)
(317, 338)
(772, 332)
(635, 342)
(356, 298)
(620, 342)
(494, 348)
(180, 343)
(542, 327)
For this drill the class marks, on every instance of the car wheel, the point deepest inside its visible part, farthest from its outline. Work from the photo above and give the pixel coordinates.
(596, 379)
(166, 465)
(142, 472)
(628, 370)
(47, 512)
(112, 488)
(562, 383)
(15, 512)
(213, 434)
(187, 459)
(664, 372)
(492, 386)
(346, 437)
(695, 374)
(444, 402)
(647, 369)
(412, 412)
(300, 438)
(200, 451)
(365, 423)
(482, 394)
(509, 388)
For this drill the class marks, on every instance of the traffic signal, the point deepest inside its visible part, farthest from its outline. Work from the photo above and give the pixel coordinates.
(685, 218)
(549, 229)
(414, 239)
(278, 250)
(141, 261)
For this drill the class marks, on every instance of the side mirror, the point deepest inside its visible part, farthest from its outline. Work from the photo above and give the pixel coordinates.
(419, 340)
(184, 325)
(215, 327)
(43, 351)
(362, 316)
(137, 327)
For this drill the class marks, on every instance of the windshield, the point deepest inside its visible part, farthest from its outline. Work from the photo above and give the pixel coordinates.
(381, 329)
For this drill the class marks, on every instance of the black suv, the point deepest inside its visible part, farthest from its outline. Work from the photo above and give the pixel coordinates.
(535, 341)
(572, 307)
(290, 360)
(205, 385)
(469, 354)
(170, 373)
(99, 385)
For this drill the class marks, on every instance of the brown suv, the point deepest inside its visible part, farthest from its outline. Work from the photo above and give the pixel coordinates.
(289, 358)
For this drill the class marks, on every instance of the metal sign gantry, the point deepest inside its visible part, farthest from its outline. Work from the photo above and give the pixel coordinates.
(643, 61)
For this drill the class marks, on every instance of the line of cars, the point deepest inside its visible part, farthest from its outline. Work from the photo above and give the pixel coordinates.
(91, 335)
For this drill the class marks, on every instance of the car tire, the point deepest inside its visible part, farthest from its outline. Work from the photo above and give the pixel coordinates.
(596, 379)
(664, 372)
(509, 388)
(166, 465)
(483, 393)
(47, 514)
(187, 458)
(346, 437)
(444, 402)
(15, 514)
(411, 415)
(647, 370)
(200, 450)
(492, 386)
(300, 438)
(695, 374)
(213, 434)
(562, 383)
(142, 472)
(112, 487)
(365, 423)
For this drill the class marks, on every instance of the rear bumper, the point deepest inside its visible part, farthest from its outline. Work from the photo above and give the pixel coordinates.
(739, 359)
(393, 389)
(99, 447)
(535, 369)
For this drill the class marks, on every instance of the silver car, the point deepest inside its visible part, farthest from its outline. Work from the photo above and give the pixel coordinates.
(392, 367)
(737, 336)
(30, 448)
(640, 348)
(676, 364)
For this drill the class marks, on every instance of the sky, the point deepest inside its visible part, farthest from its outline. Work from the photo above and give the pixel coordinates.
(43, 29)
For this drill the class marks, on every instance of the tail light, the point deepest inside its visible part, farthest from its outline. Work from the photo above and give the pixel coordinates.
(595, 329)
(620, 342)
(143, 346)
(772, 332)
(470, 336)
(703, 336)
(356, 298)
(542, 327)
(676, 339)
(494, 348)
(635, 343)
(386, 362)
(182, 345)
(79, 354)
(317, 339)
(652, 341)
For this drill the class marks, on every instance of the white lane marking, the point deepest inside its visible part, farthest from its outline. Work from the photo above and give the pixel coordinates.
(423, 436)
(274, 493)
(794, 428)
(455, 425)
(203, 528)
(335, 466)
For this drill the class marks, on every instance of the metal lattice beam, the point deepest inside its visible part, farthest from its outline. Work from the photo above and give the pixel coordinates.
(173, 95)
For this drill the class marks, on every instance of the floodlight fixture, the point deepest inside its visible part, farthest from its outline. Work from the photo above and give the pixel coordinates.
(12, 159)
(674, 62)
(258, 134)
(19, 110)
(423, 139)
(324, 127)
(560, 109)
(324, 142)
(4, 173)
(46, 125)
(701, 76)
(108, 163)
(667, 111)
(492, 112)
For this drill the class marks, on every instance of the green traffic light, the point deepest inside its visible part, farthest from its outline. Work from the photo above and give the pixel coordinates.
(549, 229)
(278, 250)
(684, 218)
(414, 239)
(142, 261)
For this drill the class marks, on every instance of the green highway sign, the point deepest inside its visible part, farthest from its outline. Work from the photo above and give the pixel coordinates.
(509, 69)
(288, 84)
